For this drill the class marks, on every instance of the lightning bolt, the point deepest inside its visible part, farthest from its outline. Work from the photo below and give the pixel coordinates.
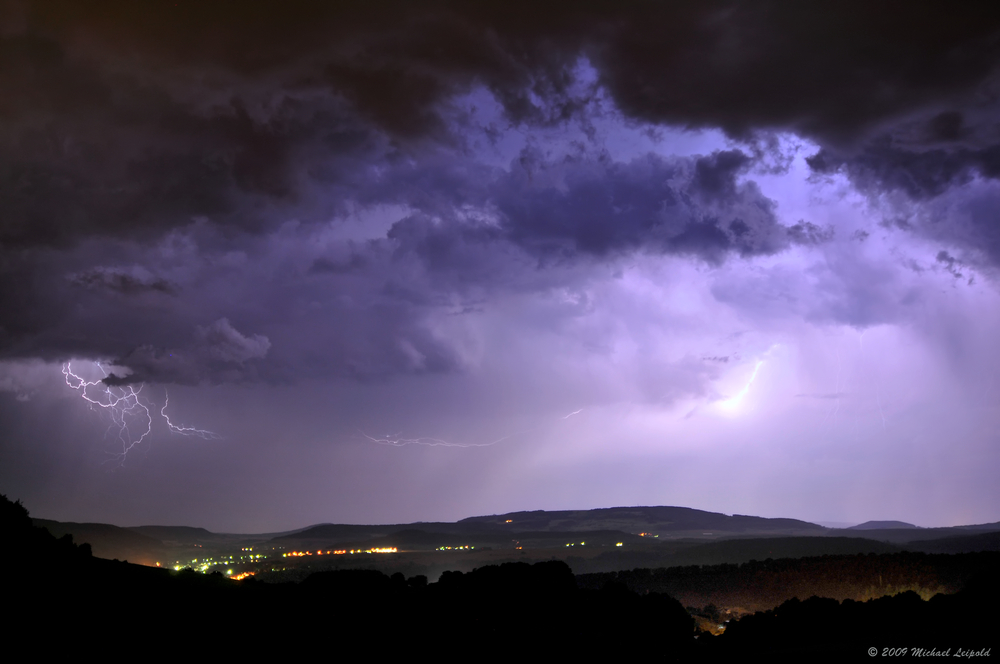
(878, 396)
(185, 431)
(836, 407)
(127, 410)
(735, 400)
(853, 388)
(397, 441)
(123, 404)
(746, 388)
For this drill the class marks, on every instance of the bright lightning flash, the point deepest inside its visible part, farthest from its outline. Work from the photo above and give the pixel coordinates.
(128, 412)
(733, 402)
(123, 404)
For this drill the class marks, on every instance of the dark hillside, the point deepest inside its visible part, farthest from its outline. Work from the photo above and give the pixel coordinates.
(70, 602)
(763, 584)
(109, 541)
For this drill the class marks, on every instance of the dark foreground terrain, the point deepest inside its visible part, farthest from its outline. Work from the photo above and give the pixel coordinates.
(59, 599)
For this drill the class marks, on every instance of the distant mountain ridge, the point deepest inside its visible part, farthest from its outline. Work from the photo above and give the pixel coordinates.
(672, 519)
(882, 525)
(666, 522)
(638, 526)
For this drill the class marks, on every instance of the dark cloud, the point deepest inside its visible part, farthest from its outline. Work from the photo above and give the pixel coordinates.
(832, 71)
(127, 281)
(949, 263)
(464, 220)
(219, 353)
(973, 222)
(92, 148)
(829, 69)
(686, 206)
(946, 127)
(715, 176)
(326, 265)
(964, 218)
(598, 207)
(223, 342)
(920, 174)
(147, 126)
(125, 122)
(805, 232)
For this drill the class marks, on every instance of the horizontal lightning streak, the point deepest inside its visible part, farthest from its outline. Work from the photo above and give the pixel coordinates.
(397, 441)
(185, 431)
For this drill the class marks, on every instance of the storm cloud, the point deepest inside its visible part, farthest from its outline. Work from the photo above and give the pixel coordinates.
(472, 218)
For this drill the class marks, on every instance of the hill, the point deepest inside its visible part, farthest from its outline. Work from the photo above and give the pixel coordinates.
(596, 540)
(881, 525)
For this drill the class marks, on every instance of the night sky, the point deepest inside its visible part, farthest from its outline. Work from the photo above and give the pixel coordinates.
(426, 260)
